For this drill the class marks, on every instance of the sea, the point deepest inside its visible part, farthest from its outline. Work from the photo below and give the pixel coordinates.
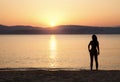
(59, 51)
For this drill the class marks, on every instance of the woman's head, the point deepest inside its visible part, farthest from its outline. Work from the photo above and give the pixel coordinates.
(94, 37)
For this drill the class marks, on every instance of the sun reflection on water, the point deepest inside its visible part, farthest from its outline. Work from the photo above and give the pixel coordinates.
(53, 52)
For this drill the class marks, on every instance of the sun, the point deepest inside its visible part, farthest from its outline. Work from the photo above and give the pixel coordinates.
(53, 24)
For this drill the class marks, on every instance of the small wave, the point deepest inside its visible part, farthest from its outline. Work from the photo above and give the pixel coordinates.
(44, 69)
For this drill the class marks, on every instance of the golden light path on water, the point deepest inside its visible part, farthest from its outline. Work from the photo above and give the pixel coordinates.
(53, 51)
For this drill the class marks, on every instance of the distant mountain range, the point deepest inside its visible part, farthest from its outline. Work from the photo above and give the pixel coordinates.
(62, 29)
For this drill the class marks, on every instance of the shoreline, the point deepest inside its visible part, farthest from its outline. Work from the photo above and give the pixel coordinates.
(41, 69)
(51, 69)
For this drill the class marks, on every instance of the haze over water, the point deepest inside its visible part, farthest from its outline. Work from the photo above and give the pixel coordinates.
(57, 51)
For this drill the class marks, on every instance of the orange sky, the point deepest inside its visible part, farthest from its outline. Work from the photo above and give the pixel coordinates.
(60, 12)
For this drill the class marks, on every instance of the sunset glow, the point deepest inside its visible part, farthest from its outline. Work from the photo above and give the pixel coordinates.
(60, 12)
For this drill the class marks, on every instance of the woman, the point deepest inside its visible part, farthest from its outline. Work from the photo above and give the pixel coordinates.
(93, 48)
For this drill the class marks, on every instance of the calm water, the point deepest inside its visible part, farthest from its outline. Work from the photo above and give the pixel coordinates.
(57, 51)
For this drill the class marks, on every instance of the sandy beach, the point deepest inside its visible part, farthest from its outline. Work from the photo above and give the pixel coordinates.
(59, 76)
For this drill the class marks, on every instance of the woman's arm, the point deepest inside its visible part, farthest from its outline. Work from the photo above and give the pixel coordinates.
(89, 46)
(98, 48)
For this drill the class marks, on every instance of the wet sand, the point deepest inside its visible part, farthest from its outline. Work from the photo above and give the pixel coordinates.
(59, 76)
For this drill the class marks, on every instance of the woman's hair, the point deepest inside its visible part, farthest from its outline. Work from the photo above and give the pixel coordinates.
(94, 37)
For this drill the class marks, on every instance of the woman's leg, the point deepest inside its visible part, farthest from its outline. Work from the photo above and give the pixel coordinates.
(96, 61)
(91, 61)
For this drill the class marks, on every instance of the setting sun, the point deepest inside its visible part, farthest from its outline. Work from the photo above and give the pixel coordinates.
(53, 24)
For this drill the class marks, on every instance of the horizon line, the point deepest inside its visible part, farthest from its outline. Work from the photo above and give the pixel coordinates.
(59, 25)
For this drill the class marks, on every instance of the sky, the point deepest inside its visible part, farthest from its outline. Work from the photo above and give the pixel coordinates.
(60, 12)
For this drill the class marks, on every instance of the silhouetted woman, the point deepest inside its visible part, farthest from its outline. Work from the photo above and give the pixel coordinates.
(93, 48)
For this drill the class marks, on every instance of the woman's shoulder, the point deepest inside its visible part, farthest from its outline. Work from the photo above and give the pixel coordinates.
(91, 41)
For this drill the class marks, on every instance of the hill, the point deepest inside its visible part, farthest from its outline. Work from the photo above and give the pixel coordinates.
(62, 29)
